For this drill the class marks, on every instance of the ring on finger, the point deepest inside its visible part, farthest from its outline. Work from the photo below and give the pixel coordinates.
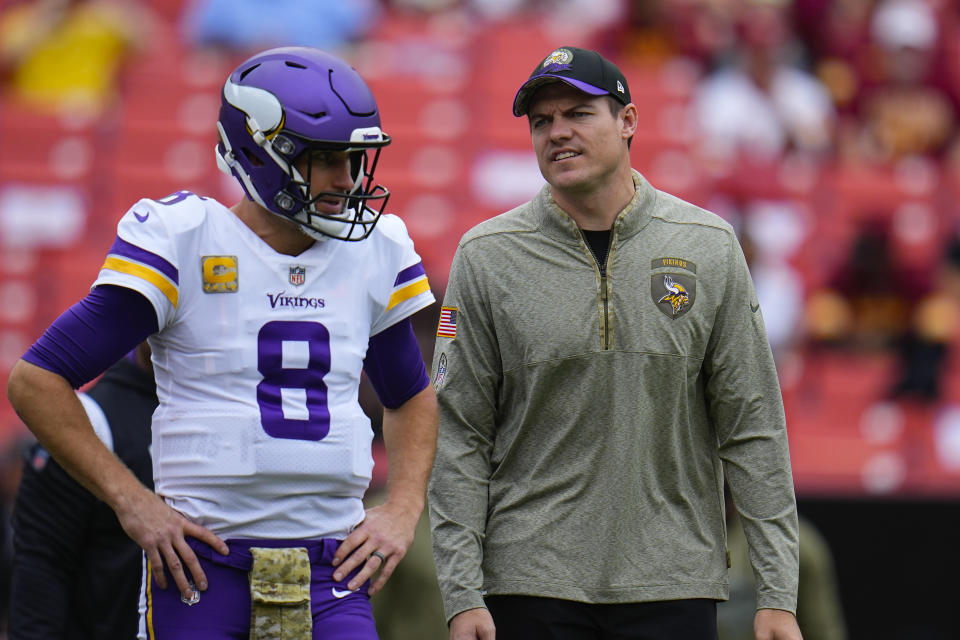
(377, 554)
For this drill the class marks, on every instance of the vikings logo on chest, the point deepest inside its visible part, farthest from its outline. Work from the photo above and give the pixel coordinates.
(677, 295)
(674, 291)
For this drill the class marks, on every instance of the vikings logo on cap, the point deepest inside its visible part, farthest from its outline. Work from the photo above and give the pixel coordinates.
(559, 59)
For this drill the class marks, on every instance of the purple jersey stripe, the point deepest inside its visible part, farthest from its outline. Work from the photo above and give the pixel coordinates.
(123, 248)
(410, 273)
(394, 365)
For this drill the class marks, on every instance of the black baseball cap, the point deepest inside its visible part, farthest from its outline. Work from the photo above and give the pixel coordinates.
(582, 69)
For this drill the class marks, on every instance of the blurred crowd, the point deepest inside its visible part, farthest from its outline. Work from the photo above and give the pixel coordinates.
(865, 81)
(826, 131)
(778, 92)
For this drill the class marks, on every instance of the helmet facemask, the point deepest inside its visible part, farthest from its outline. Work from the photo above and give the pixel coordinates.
(357, 217)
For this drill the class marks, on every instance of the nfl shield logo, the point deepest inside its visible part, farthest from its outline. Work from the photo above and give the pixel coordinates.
(298, 275)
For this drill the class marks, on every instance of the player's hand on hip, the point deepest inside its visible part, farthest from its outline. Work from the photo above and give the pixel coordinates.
(377, 544)
(775, 624)
(161, 531)
(473, 624)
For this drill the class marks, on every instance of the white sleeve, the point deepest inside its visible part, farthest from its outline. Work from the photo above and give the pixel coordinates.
(144, 256)
(411, 289)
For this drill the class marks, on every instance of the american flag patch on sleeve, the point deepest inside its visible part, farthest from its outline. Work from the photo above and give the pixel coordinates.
(448, 323)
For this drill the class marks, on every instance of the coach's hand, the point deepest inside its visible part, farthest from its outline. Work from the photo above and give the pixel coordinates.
(775, 624)
(473, 624)
(378, 543)
(161, 531)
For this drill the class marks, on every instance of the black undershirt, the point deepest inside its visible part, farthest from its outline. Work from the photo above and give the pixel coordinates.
(599, 243)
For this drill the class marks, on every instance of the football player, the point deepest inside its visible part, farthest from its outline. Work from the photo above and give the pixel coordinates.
(261, 318)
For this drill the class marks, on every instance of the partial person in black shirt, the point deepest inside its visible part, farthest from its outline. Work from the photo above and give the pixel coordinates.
(76, 574)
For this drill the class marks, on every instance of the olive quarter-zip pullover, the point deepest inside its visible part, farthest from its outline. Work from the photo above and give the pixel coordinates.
(585, 418)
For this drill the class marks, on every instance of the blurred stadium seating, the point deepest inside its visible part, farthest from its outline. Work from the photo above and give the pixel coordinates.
(458, 157)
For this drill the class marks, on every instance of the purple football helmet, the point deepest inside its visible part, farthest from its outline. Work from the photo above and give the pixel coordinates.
(284, 102)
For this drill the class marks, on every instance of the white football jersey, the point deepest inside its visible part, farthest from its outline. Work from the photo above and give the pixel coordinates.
(259, 432)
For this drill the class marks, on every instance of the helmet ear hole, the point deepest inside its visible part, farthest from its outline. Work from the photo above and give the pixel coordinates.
(252, 157)
(285, 201)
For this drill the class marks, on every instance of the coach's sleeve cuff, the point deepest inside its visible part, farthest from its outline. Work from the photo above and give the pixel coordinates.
(458, 603)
